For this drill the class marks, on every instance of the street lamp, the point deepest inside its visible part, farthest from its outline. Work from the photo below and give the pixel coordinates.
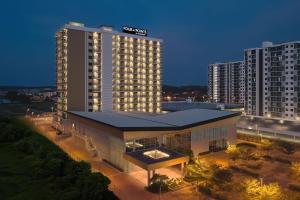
(261, 181)
(27, 110)
(257, 131)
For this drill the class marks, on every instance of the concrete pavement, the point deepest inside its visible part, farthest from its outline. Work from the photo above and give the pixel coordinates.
(125, 186)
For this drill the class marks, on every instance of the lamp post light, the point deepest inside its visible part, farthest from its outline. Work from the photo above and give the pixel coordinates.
(27, 110)
(257, 131)
(261, 181)
(160, 191)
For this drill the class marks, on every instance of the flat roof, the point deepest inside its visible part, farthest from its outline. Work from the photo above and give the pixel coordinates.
(183, 105)
(81, 27)
(127, 121)
(140, 159)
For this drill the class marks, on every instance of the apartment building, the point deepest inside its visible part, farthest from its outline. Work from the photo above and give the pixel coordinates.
(101, 69)
(253, 66)
(268, 83)
(226, 82)
(281, 80)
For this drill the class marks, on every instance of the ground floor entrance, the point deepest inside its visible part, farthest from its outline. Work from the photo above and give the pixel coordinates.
(217, 145)
(142, 176)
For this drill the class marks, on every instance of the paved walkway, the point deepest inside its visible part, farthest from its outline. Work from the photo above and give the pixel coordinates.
(125, 186)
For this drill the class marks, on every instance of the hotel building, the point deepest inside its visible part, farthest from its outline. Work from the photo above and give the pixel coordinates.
(101, 69)
(226, 82)
(109, 86)
(147, 142)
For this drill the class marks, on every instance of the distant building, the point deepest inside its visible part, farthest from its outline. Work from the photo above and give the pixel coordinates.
(271, 86)
(253, 81)
(226, 82)
(101, 69)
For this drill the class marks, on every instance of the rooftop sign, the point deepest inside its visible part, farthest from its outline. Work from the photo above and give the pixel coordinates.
(136, 31)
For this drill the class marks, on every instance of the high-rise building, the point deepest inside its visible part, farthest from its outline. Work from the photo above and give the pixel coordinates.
(226, 82)
(271, 81)
(281, 78)
(253, 81)
(101, 69)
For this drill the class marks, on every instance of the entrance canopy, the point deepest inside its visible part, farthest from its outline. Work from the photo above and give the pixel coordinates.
(155, 158)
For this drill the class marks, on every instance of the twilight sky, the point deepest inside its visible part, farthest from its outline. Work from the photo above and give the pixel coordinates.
(195, 32)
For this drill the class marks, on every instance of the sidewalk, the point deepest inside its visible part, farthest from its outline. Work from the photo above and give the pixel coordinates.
(125, 186)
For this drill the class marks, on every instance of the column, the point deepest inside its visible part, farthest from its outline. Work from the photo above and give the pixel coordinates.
(149, 176)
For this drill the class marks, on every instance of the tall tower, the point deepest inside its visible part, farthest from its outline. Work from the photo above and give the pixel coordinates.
(100, 69)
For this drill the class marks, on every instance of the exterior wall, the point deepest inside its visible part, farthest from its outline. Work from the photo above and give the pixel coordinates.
(253, 81)
(76, 72)
(107, 140)
(281, 88)
(100, 69)
(106, 91)
(110, 142)
(200, 142)
(226, 82)
(272, 80)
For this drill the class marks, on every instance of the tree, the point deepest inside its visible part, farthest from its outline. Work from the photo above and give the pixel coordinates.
(286, 147)
(198, 171)
(254, 190)
(158, 183)
(233, 151)
(295, 167)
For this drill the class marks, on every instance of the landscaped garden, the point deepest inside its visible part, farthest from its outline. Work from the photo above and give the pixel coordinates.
(266, 171)
(31, 167)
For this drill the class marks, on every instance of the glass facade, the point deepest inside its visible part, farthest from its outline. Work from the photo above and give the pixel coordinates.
(171, 141)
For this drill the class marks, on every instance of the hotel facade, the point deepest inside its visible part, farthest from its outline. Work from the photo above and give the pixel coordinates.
(272, 81)
(109, 87)
(100, 69)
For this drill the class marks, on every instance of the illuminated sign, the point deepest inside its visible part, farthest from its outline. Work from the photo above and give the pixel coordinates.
(136, 31)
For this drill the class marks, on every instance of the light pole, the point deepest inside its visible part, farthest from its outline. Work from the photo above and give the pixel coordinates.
(27, 110)
(261, 181)
(257, 131)
(160, 191)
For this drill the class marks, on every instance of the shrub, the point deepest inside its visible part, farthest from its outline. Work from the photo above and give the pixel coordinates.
(61, 176)
(246, 144)
(158, 183)
(286, 147)
(295, 167)
(187, 152)
(233, 151)
(222, 175)
(268, 157)
(295, 187)
(205, 189)
(255, 190)
(27, 146)
(283, 160)
(254, 165)
(267, 144)
(245, 171)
